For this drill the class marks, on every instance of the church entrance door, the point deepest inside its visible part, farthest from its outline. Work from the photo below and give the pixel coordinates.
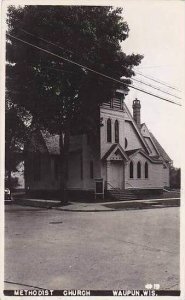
(117, 174)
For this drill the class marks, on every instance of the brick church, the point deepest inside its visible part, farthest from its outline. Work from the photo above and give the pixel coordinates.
(130, 157)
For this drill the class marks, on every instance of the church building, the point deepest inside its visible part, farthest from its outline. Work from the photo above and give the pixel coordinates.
(129, 156)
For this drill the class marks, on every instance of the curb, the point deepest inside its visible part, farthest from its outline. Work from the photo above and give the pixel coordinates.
(83, 210)
(49, 204)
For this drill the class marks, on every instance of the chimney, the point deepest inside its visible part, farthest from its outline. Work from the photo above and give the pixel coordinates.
(136, 112)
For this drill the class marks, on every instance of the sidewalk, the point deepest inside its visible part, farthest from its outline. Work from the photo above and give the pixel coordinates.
(120, 205)
(99, 207)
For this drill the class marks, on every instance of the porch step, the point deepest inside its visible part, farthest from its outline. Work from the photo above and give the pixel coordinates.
(137, 194)
(122, 195)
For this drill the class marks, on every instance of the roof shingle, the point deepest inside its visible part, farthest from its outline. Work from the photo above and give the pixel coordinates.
(52, 142)
(160, 149)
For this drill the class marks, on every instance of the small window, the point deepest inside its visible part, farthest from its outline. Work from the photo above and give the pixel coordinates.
(116, 127)
(91, 169)
(131, 170)
(146, 170)
(109, 131)
(126, 143)
(138, 169)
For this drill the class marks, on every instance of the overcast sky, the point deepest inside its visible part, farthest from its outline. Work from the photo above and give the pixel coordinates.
(157, 32)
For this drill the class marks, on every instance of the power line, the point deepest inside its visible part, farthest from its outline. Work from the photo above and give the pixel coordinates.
(157, 95)
(89, 69)
(157, 80)
(56, 45)
(156, 88)
(64, 71)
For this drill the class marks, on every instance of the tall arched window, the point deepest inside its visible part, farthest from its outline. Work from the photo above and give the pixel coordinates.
(138, 169)
(126, 143)
(146, 170)
(131, 170)
(116, 127)
(109, 131)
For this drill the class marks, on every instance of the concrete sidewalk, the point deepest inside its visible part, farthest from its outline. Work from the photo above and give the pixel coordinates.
(70, 206)
(103, 206)
(119, 205)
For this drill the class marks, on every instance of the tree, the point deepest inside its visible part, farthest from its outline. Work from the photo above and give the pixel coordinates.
(64, 98)
(16, 133)
(175, 177)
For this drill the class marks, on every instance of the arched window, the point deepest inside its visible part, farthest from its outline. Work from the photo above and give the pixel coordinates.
(131, 170)
(116, 127)
(126, 143)
(109, 131)
(146, 170)
(138, 169)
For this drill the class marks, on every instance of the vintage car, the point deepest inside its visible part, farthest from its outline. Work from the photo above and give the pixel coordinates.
(7, 195)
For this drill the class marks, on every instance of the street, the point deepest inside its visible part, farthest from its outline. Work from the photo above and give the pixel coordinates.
(124, 249)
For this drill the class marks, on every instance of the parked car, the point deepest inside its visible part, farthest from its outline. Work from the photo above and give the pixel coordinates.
(7, 195)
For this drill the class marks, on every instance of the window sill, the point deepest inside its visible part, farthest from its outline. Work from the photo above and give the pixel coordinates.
(138, 179)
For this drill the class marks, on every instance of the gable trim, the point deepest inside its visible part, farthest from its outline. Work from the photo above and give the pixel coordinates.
(161, 150)
(150, 138)
(114, 148)
(147, 156)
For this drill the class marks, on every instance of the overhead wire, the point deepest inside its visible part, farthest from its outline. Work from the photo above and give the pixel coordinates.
(91, 70)
(157, 80)
(156, 88)
(58, 46)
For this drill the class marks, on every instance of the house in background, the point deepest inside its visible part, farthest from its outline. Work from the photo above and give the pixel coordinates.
(129, 156)
(18, 176)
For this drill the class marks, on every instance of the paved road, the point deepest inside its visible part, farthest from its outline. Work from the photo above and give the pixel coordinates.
(91, 250)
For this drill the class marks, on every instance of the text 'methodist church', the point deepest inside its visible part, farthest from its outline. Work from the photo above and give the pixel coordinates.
(130, 157)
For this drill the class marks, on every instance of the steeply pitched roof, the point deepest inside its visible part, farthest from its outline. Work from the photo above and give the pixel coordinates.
(136, 151)
(136, 129)
(160, 149)
(44, 142)
(36, 143)
(52, 142)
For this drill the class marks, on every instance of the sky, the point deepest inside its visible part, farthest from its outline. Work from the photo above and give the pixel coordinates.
(157, 32)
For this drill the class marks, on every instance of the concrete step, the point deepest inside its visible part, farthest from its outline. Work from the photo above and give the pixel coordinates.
(122, 195)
